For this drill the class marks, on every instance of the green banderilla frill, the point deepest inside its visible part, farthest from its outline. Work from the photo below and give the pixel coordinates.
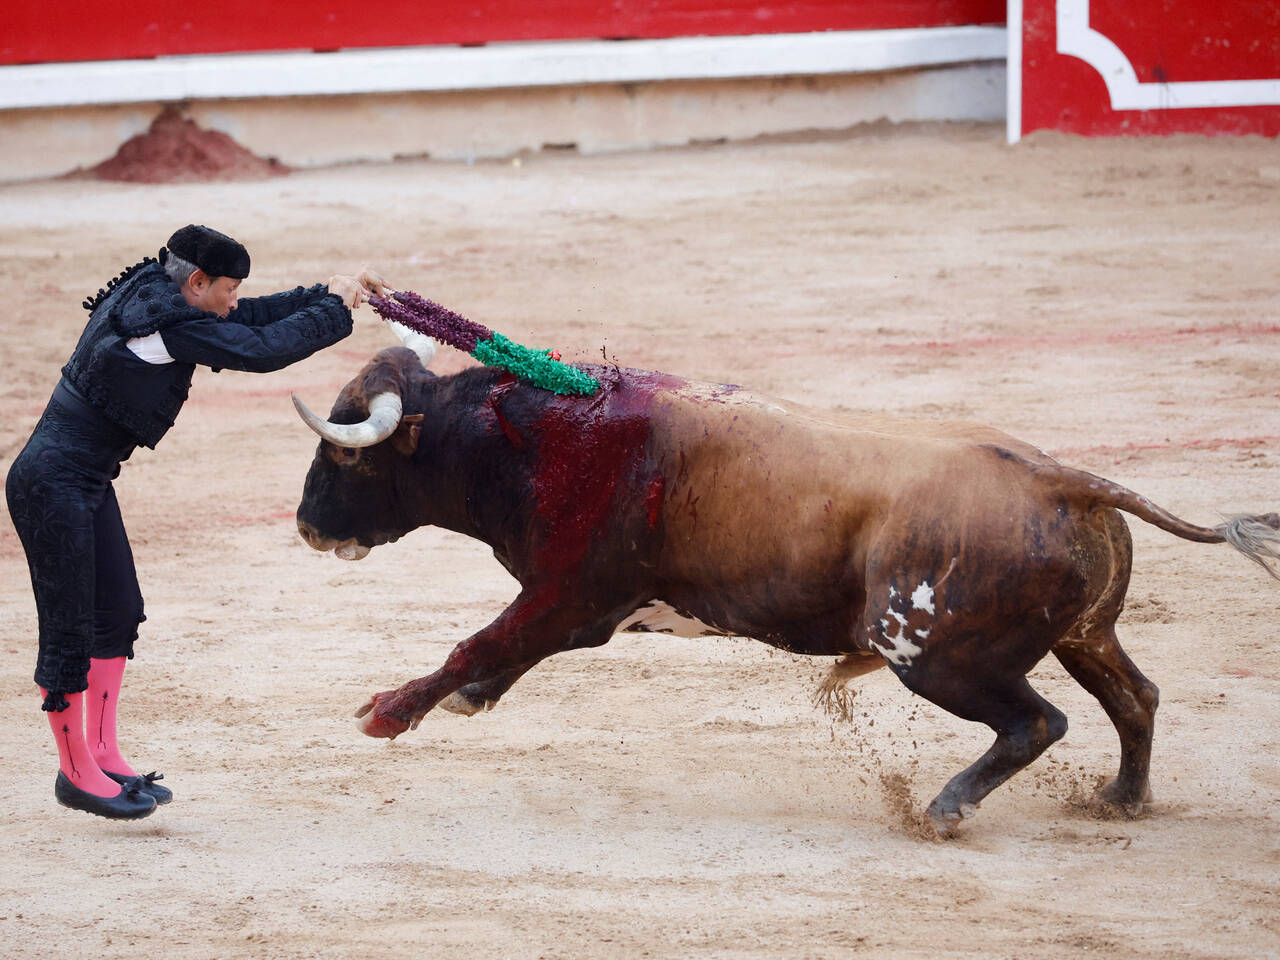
(534, 366)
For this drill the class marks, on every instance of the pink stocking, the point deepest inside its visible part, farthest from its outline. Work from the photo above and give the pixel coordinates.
(74, 756)
(102, 700)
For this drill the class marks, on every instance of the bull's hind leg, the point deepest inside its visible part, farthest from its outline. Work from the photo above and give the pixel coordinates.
(1130, 699)
(1092, 655)
(1024, 722)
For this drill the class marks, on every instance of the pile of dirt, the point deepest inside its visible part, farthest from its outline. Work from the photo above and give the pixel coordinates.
(177, 150)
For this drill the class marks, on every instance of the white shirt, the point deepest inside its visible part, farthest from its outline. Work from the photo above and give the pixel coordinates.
(150, 349)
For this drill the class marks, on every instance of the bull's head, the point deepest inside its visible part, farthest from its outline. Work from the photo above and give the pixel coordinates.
(349, 501)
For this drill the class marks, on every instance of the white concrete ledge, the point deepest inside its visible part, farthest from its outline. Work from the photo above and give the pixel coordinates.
(452, 68)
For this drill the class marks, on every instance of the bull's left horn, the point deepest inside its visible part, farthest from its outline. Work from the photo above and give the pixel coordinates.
(419, 343)
(384, 417)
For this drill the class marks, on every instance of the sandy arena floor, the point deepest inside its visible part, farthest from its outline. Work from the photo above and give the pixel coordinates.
(1116, 303)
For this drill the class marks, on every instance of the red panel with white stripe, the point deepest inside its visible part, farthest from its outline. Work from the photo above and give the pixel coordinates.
(1124, 67)
(88, 30)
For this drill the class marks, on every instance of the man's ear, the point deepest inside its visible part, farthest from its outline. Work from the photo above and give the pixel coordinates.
(405, 439)
(198, 280)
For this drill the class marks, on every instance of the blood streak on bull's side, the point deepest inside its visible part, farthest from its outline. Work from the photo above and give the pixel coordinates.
(591, 452)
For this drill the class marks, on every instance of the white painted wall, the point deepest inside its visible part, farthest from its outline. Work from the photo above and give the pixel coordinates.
(493, 66)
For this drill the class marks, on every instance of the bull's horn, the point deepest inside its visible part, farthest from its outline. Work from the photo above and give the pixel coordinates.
(419, 343)
(384, 417)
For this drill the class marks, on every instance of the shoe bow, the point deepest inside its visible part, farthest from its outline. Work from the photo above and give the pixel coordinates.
(140, 783)
(135, 786)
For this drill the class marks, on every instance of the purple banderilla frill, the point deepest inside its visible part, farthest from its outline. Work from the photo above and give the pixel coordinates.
(419, 313)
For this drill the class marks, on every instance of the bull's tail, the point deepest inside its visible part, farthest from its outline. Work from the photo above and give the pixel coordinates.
(1257, 536)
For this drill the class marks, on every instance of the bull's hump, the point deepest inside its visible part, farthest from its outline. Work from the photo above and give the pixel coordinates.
(730, 396)
(659, 617)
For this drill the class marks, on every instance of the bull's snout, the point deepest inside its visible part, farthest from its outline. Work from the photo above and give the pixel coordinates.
(313, 538)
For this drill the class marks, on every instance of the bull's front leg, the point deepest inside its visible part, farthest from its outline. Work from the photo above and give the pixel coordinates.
(475, 697)
(537, 624)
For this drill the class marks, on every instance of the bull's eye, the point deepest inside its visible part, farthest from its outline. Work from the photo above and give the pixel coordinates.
(344, 454)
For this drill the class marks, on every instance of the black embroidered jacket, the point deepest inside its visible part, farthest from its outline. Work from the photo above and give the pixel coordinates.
(260, 335)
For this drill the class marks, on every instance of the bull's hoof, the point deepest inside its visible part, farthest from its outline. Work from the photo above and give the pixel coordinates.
(457, 703)
(947, 821)
(373, 721)
(1122, 801)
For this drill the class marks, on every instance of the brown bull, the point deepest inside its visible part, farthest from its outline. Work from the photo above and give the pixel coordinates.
(951, 553)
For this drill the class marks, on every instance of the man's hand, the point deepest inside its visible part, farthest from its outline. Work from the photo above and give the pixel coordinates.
(354, 291)
(373, 282)
(349, 290)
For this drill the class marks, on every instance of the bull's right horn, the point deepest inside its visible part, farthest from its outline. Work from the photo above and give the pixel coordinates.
(384, 416)
(419, 343)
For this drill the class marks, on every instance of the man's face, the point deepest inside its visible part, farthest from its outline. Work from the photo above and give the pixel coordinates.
(215, 294)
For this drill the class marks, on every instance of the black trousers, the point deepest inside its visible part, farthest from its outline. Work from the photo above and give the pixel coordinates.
(64, 508)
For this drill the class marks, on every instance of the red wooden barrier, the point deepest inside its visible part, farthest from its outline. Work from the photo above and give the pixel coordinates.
(32, 31)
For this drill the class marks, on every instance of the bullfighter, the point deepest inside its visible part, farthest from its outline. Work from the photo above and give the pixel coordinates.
(123, 387)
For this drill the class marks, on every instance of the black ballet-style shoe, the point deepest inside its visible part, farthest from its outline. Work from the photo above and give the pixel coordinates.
(132, 803)
(146, 783)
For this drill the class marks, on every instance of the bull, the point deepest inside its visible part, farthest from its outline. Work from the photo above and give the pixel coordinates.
(950, 553)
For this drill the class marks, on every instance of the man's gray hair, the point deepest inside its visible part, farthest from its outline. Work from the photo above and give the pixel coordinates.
(179, 270)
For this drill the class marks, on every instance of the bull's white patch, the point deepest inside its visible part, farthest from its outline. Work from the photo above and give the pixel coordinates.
(658, 617)
(894, 644)
(922, 597)
(897, 647)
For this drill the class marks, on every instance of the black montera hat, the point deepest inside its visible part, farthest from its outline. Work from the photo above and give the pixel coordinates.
(215, 253)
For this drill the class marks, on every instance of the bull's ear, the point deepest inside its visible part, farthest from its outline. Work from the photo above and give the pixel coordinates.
(405, 439)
